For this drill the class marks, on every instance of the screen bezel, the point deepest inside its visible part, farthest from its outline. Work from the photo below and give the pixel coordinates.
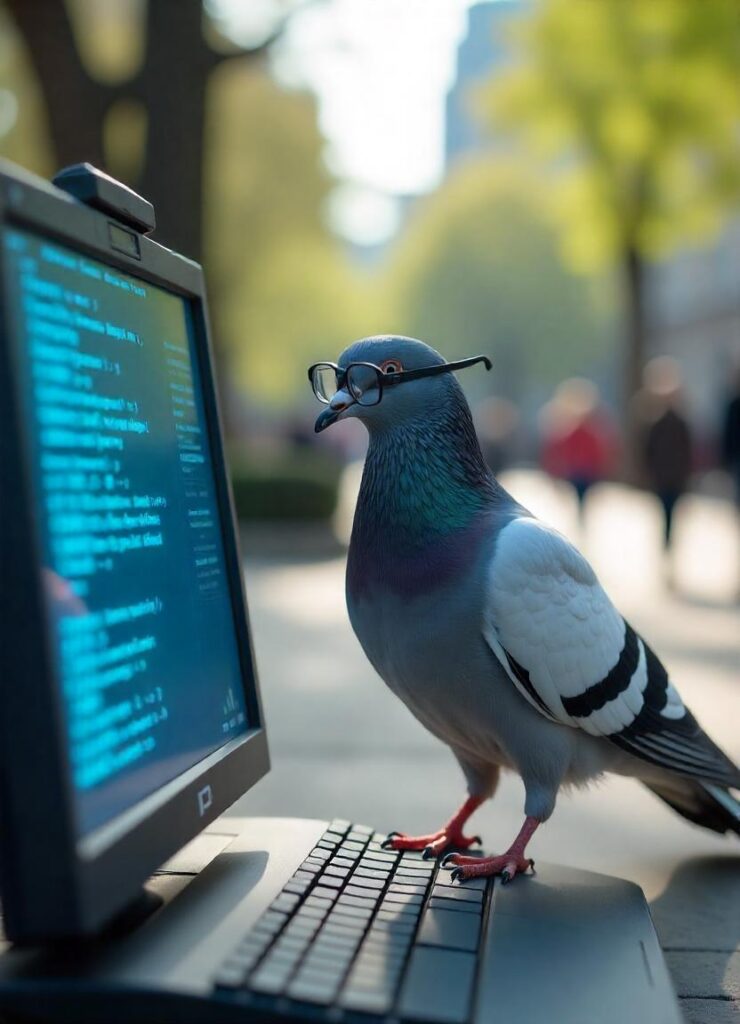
(54, 883)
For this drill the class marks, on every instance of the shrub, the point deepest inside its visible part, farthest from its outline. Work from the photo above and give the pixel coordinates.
(299, 485)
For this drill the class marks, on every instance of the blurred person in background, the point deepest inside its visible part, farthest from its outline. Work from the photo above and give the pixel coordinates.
(664, 438)
(730, 452)
(578, 441)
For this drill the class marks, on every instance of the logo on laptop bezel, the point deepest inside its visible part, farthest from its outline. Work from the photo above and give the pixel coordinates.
(205, 800)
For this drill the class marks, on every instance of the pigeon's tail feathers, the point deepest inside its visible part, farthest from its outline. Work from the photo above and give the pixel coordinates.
(705, 803)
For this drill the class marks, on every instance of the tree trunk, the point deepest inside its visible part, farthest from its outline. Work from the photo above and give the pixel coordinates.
(75, 104)
(171, 86)
(634, 355)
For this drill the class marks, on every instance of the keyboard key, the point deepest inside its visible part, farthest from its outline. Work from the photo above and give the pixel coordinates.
(382, 938)
(383, 858)
(304, 876)
(332, 882)
(470, 883)
(392, 911)
(350, 844)
(230, 976)
(450, 929)
(356, 890)
(329, 959)
(459, 906)
(291, 943)
(319, 854)
(438, 986)
(339, 825)
(342, 862)
(357, 837)
(332, 869)
(457, 892)
(311, 990)
(358, 916)
(271, 922)
(423, 869)
(326, 844)
(374, 1000)
(367, 883)
(271, 978)
(321, 891)
(299, 888)
(331, 835)
(394, 922)
(417, 890)
(303, 926)
(411, 874)
(336, 946)
(316, 911)
(363, 830)
(365, 871)
(379, 956)
(406, 898)
(286, 901)
(356, 901)
(341, 931)
(371, 976)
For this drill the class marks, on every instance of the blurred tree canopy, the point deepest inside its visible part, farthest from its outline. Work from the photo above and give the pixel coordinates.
(233, 164)
(479, 271)
(636, 106)
(283, 285)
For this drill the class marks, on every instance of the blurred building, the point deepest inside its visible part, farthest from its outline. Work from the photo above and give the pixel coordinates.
(693, 310)
(692, 298)
(483, 51)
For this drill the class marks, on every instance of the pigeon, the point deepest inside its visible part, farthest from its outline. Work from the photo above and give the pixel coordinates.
(490, 625)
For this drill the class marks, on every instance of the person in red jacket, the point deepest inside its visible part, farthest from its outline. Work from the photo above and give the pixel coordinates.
(579, 442)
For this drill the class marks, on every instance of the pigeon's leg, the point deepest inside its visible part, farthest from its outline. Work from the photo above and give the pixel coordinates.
(508, 864)
(450, 834)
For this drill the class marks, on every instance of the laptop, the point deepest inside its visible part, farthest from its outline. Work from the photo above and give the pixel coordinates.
(131, 717)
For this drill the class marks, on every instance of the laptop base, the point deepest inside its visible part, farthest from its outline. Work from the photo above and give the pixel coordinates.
(560, 945)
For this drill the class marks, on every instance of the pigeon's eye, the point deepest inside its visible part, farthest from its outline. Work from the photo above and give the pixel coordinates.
(391, 367)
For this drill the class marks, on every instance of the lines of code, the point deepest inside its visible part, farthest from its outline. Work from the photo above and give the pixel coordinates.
(130, 531)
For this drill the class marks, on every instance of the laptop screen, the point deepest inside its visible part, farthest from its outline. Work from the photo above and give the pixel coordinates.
(129, 531)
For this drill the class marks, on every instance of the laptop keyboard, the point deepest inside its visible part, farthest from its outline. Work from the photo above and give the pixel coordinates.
(367, 930)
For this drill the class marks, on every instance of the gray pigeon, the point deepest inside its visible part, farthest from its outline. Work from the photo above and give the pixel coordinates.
(489, 625)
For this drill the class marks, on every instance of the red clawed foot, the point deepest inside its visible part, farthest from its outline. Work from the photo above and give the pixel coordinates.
(450, 835)
(508, 864)
(431, 845)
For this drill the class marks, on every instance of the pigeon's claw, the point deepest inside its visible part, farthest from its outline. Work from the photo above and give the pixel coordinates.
(449, 836)
(430, 845)
(508, 865)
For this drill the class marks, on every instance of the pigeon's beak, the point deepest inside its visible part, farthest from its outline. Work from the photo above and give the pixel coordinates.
(341, 401)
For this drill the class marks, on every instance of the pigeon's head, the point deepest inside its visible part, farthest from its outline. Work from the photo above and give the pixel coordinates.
(386, 380)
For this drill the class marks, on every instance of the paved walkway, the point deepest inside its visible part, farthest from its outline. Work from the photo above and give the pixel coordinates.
(343, 746)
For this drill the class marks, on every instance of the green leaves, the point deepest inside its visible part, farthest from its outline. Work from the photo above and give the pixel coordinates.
(634, 108)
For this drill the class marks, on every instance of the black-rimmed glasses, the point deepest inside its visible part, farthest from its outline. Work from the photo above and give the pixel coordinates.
(365, 381)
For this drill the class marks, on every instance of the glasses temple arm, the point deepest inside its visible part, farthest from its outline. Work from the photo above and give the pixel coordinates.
(434, 371)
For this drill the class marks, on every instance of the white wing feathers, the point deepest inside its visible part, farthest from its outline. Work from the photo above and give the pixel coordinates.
(557, 634)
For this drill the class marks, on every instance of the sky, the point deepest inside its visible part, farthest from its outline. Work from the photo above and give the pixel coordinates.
(381, 70)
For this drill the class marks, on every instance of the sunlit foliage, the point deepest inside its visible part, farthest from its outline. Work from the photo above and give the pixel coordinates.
(478, 271)
(636, 106)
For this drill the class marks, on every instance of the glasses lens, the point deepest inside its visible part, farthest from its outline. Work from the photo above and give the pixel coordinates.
(363, 383)
(324, 382)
